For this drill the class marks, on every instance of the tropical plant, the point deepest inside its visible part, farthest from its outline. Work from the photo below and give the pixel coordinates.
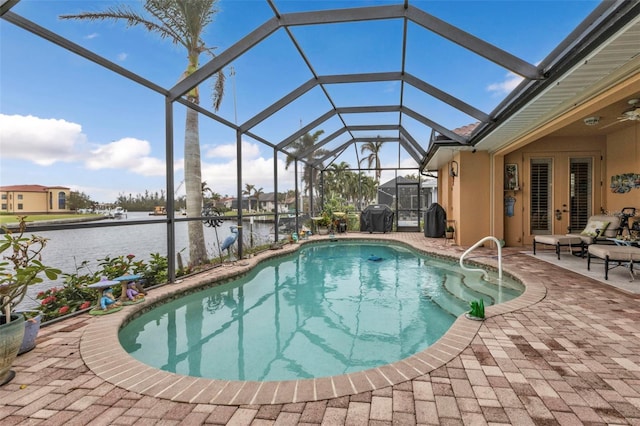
(257, 193)
(121, 265)
(183, 22)
(21, 266)
(450, 229)
(303, 148)
(373, 159)
(248, 190)
(75, 295)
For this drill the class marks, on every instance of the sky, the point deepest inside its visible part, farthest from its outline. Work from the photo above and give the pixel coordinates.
(65, 121)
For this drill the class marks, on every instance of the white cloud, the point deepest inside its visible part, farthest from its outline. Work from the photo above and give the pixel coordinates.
(40, 140)
(128, 153)
(249, 150)
(122, 57)
(505, 87)
(92, 36)
(47, 141)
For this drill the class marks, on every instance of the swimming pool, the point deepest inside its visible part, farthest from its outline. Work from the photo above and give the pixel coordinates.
(324, 310)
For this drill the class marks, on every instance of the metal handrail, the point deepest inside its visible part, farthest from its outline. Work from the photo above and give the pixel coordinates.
(485, 274)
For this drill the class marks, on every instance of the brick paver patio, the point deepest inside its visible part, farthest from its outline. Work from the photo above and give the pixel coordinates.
(567, 353)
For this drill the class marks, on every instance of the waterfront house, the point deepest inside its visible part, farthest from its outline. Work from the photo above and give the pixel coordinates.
(34, 199)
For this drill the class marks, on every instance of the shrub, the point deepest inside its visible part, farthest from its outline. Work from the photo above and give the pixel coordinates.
(75, 294)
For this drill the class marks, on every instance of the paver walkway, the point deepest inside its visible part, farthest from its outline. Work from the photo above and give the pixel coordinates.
(571, 358)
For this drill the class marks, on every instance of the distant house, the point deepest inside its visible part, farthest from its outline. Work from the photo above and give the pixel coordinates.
(34, 199)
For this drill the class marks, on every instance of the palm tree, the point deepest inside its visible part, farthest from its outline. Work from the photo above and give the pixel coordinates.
(303, 144)
(335, 180)
(257, 193)
(374, 156)
(183, 22)
(248, 190)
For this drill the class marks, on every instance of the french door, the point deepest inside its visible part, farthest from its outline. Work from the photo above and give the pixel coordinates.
(541, 213)
(573, 195)
(580, 192)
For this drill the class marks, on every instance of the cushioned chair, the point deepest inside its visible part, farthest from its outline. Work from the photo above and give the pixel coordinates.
(559, 241)
(618, 255)
(598, 229)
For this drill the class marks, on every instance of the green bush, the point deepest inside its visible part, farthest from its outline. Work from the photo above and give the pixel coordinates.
(75, 295)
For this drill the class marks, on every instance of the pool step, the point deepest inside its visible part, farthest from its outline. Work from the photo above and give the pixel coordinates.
(445, 299)
(457, 286)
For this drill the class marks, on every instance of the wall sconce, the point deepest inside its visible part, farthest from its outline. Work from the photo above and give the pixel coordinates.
(591, 121)
(454, 171)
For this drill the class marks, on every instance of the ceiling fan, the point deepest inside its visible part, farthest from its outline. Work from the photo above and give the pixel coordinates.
(632, 113)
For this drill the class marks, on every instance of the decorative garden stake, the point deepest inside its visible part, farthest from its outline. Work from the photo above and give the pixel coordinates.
(477, 310)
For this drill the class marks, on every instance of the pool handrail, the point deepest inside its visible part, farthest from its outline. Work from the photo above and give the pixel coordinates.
(485, 273)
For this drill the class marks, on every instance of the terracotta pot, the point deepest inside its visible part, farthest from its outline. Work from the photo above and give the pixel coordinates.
(10, 340)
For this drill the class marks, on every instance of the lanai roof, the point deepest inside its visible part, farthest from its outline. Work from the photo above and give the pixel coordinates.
(418, 115)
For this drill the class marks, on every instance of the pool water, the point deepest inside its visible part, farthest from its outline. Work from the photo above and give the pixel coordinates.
(327, 309)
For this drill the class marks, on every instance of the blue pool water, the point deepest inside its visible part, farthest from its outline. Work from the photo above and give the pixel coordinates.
(328, 309)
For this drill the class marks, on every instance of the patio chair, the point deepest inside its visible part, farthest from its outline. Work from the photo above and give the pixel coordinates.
(613, 257)
(599, 228)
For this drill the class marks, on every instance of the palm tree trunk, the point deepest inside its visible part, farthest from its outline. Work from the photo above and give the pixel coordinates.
(193, 186)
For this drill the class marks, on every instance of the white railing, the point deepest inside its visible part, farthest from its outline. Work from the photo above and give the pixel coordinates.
(485, 274)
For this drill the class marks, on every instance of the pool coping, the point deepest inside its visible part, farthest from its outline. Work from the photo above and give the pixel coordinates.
(101, 351)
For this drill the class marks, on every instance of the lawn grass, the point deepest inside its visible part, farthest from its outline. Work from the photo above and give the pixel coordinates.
(7, 219)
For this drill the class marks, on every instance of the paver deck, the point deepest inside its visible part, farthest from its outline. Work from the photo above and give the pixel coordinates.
(566, 352)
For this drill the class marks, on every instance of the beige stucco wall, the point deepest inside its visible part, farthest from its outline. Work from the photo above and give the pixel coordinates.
(469, 208)
(622, 156)
(33, 202)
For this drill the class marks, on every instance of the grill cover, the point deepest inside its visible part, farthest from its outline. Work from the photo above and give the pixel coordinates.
(435, 221)
(376, 218)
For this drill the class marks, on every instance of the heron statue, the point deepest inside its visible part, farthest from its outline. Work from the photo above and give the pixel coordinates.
(228, 242)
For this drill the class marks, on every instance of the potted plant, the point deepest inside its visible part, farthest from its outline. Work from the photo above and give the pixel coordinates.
(448, 233)
(323, 223)
(20, 267)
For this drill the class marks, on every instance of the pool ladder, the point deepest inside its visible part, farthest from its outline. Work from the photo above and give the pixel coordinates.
(485, 274)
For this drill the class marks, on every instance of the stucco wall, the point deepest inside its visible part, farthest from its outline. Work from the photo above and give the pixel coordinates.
(29, 202)
(466, 197)
(622, 156)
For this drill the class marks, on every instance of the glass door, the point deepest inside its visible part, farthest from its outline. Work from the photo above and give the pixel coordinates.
(408, 206)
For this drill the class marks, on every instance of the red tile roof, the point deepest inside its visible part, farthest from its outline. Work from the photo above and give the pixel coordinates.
(29, 188)
(466, 130)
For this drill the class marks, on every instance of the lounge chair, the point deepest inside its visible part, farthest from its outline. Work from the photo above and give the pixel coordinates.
(616, 255)
(598, 229)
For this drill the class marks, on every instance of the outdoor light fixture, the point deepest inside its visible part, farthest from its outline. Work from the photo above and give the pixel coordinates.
(592, 121)
(454, 171)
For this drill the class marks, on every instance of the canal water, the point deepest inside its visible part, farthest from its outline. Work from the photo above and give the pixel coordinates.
(67, 249)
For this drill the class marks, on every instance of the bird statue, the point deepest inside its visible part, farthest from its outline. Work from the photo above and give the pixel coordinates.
(228, 242)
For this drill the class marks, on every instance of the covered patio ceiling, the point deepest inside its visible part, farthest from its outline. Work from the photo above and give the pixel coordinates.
(420, 116)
